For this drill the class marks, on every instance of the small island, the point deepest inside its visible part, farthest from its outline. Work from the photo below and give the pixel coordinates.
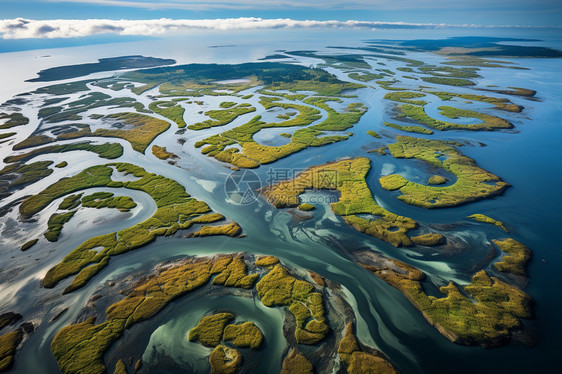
(473, 183)
(355, 203)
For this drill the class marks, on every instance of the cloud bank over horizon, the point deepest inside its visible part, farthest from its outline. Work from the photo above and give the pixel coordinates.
(21, 28)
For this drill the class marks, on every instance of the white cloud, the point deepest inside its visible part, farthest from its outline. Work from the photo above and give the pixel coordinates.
(21, 28)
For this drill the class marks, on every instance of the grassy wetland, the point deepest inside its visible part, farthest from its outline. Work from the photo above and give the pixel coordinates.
(251, 154)
(72, 345)
(363, 248)
(176, 211)
(222, 331)
(348, 178)
(473, 183)
(357, 360)
(488, 316)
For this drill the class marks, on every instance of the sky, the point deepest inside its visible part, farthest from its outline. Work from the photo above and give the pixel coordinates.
(64, 19)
